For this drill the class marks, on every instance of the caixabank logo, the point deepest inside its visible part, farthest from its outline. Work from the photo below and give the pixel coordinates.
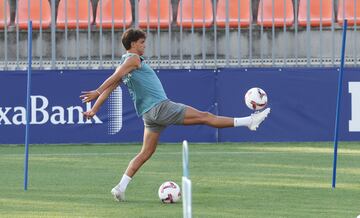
(43, 112)
(115, 111)
(354, 90)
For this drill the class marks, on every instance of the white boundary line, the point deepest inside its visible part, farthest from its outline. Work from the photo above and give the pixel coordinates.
(134, 153)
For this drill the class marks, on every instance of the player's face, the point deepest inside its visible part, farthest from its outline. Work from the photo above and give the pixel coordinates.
(140, 46)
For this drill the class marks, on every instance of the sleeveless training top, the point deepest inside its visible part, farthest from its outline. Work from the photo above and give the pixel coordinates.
(144, 86)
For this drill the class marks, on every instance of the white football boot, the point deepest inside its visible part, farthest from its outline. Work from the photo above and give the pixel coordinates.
(257, 118)
(118, 195)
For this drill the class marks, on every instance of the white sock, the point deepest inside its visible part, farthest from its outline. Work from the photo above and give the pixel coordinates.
(242, 121)
(123, 183)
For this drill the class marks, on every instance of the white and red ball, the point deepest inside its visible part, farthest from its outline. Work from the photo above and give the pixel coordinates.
(256, 98)
(169, 192)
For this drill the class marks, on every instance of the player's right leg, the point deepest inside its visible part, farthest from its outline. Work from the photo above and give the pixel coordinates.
(257, 118)
(194, 117)
(150, 142)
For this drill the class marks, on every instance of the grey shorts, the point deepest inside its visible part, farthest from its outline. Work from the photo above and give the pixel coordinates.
(164, 114)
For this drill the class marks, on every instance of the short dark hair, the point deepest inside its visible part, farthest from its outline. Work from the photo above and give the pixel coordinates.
(132, 35)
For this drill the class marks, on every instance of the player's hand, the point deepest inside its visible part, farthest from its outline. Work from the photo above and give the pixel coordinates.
(87, 96)
(88, 114)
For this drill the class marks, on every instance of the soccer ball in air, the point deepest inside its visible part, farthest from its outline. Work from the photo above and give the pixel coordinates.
(256, 98)
(169, 192)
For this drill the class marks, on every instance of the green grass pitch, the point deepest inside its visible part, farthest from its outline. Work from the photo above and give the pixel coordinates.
(229, 180)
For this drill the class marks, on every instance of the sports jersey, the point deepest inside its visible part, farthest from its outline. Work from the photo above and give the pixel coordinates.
(144, 86)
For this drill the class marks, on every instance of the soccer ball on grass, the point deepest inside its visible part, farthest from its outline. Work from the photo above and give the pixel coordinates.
(169, 192)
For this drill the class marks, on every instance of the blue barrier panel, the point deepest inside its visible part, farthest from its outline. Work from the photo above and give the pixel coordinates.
(56, 107)
(302, 101)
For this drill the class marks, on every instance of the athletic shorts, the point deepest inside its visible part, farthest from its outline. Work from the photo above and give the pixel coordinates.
(164, 114)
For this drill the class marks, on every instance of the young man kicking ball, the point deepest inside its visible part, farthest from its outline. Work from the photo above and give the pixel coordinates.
(153, 105)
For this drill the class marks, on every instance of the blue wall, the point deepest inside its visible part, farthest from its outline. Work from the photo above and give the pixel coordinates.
(302, 100)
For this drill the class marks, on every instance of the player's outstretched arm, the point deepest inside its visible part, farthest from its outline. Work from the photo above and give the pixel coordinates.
(87, 96)
(100, 101)
(129, 65)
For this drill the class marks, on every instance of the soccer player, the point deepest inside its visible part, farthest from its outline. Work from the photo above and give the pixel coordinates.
(153, 105)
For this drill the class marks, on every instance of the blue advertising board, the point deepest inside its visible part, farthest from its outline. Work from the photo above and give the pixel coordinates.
(302, 101)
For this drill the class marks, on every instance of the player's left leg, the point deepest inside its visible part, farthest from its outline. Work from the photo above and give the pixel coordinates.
(150, 142)
(194, 117)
